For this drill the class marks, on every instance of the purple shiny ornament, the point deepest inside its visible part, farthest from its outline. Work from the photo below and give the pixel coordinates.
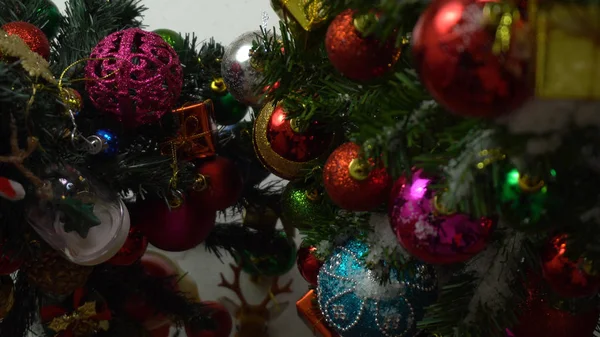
(134, 75)
(429, 234)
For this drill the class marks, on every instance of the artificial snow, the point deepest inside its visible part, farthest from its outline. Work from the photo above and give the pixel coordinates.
(382, 239)
(495, 272)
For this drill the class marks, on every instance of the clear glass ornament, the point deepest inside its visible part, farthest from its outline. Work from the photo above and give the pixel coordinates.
(54, 221)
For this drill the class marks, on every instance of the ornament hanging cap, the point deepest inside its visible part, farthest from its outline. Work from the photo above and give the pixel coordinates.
(359, 169)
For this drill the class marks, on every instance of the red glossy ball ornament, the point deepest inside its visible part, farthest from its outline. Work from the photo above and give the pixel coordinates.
(308, 264)
(539, 319)
(218, 185)
(220, 316)
(133, 249)
(453, 44)
(175, 230)
(287, 147)
(350, 184)
(566, 277)
(429, 233)
(33, 37)
(355, 56)
(292, 142)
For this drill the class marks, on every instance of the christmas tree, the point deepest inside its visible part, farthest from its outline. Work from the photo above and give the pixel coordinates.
(440, 158)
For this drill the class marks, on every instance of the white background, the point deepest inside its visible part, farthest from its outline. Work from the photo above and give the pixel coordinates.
(224, 20)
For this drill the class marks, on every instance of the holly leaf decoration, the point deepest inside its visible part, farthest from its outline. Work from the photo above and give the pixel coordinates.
(78, 216)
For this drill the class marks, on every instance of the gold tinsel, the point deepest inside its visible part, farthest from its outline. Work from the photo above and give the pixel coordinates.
(33, 63)
(51, 273)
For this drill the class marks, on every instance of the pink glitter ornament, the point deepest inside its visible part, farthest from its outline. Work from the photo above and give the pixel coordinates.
(134, 75)
(428, 233)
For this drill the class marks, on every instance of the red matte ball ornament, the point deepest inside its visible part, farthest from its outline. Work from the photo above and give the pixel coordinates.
(566, 277)
(463, 64)
(220, 316)
(218, 185)
(358, 57)
(352, 183)
(33, 37)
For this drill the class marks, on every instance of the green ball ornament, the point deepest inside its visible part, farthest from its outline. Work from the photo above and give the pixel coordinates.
(276, 257)
(51, 18)
(524, 199)
(173, 38)
(302, 205)
(228, 110)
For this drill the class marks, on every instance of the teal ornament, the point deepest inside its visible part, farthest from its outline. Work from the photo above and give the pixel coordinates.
(356, 304)
(228, 110)
(173, 38)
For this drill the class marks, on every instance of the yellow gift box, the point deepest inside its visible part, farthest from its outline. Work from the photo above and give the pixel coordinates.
(309, 14)
(567, 49)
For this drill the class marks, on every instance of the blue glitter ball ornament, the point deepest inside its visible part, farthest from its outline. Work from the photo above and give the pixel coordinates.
(355, 304)
(109, 141)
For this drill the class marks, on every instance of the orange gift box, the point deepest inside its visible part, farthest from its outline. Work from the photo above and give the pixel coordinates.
(310, 313)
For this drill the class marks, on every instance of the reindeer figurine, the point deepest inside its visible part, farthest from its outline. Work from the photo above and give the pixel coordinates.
(252, 320)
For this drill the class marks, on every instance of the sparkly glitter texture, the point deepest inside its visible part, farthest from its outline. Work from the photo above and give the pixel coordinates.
(452, 47)
(32, 62)
(301, 206)
(278, 165)
(567, 278)
(134, 75)
(292, 145)
(173, 38)
(355, 304)
(429, 236)
(347, 192)
(132, 250)
(239, 72)
(33, 37)
(356, 57)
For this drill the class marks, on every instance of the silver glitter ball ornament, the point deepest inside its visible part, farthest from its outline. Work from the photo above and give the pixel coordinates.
(238, 71)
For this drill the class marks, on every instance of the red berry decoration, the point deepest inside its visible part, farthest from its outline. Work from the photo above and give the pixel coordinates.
(33, 37)
(429, 233)
(218, 185)
(219, 315)
(349, 183)
(355, 56)
(540, 319)
(454, 54)
(133, 249)
(308, 264)
(284, 146)
(566, 277)
(175, 230)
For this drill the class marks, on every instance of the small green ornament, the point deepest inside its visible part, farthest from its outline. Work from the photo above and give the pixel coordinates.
(302, 205)
(276, 257)
(173, 38)
(525, 200)
(51, 18)
(228, 110)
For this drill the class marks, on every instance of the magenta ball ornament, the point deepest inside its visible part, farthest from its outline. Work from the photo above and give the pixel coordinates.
(177, 229)
(429, 233)
(135, 76)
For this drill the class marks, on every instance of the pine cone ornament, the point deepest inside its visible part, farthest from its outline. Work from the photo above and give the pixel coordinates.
(53, 274)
